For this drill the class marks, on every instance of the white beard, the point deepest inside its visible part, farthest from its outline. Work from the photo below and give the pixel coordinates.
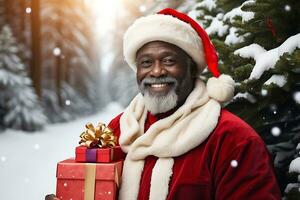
(160, 104)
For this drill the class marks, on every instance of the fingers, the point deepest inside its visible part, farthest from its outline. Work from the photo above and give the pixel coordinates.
(51, 197)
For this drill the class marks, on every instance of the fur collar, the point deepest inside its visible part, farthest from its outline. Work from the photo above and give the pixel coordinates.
(172, 136)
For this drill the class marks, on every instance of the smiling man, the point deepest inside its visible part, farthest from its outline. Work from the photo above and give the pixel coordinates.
(165, 75)
(180, 143)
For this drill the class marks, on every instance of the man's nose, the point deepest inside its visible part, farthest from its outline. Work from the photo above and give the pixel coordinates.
(158, 70)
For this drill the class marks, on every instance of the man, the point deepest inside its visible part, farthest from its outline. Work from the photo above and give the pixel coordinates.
(180, 143)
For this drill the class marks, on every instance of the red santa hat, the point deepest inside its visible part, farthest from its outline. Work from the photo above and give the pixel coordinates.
(179, 29)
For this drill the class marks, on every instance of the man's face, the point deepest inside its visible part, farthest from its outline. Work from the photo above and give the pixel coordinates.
(164, 75)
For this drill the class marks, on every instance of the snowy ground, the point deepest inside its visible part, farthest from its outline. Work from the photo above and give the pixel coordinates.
(28, 161)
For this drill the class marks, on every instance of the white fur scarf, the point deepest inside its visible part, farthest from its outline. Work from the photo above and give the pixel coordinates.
(172, 136)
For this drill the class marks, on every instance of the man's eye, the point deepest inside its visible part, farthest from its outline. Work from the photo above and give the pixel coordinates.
(168, 61)
(145, 63)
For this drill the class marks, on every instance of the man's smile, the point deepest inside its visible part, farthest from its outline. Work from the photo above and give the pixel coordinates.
(159, 87)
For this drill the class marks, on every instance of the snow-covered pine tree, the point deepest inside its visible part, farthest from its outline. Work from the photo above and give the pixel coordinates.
(258, 42)
(19, 105)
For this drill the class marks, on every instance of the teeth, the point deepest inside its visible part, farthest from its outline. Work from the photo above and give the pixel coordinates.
(158, 85)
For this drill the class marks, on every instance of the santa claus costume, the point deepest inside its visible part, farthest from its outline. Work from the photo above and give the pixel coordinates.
(198, 150)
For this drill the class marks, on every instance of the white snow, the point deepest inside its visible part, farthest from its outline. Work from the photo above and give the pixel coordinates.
(142, 8)
(279, 80)
(287, 8)
(295, 165)
(276, 131)
(297, 97)
(28, 161)
(232, 37)
(68, 102)
(28, 10)
(245, 95)
(217, 26)
(234, 163)
(56, 51)
(267, 59)
(3, 159)
(251, 51)
(245, 15)
(291, 186)
(208, 4)
(264, 92)
(193, 14)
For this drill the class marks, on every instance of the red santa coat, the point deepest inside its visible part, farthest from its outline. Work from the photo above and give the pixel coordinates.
(232, 163)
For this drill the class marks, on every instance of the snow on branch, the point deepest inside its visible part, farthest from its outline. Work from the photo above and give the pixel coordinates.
(208, 4)
(267, 59)
(246, 15)
(217, 26)
(233, 37)
(295, 165)
(279, 80)
(245, 95)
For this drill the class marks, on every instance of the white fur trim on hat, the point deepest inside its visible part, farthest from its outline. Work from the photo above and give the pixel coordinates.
(164, 28)
(221, 88)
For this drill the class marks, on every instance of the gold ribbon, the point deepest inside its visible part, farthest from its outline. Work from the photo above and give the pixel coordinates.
(99, 136)
(89, 182)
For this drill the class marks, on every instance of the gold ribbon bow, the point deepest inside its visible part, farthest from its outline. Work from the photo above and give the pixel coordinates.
(100, 136)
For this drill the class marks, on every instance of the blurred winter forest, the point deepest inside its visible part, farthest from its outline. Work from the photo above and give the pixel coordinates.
(60, 60)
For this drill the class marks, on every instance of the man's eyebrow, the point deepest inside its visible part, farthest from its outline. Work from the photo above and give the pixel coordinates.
(167, 52)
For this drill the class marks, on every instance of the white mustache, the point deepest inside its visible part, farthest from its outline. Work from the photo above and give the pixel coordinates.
(160, 80)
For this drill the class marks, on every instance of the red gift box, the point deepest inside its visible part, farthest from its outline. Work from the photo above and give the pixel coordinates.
(88, 181)
(84, 154)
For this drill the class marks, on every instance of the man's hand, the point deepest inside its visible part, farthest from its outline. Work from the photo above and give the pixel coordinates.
(51, 197)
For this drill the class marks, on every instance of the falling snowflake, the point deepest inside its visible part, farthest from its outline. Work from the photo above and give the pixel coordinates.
(142, 8)
(264, 92)
(276, 131)
(65, 184)
(3, 159)
(67, 102)
(287, 8)
(36, 146)
(234, 163)
(297, 97)
(56, 51)
(28, 10)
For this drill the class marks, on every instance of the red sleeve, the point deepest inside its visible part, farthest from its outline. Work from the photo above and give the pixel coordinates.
(247, 173)
(114, 124)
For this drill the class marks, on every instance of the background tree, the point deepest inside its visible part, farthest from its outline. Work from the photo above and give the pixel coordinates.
(19, 106)
(258, 44)
(70, 66)
(35, 64)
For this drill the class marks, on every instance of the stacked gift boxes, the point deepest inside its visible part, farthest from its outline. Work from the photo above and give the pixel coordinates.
(94, 174)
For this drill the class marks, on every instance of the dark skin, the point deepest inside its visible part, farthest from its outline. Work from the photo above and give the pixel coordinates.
(160, 59)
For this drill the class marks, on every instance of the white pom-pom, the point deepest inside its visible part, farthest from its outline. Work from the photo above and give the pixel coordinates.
(221, 88)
